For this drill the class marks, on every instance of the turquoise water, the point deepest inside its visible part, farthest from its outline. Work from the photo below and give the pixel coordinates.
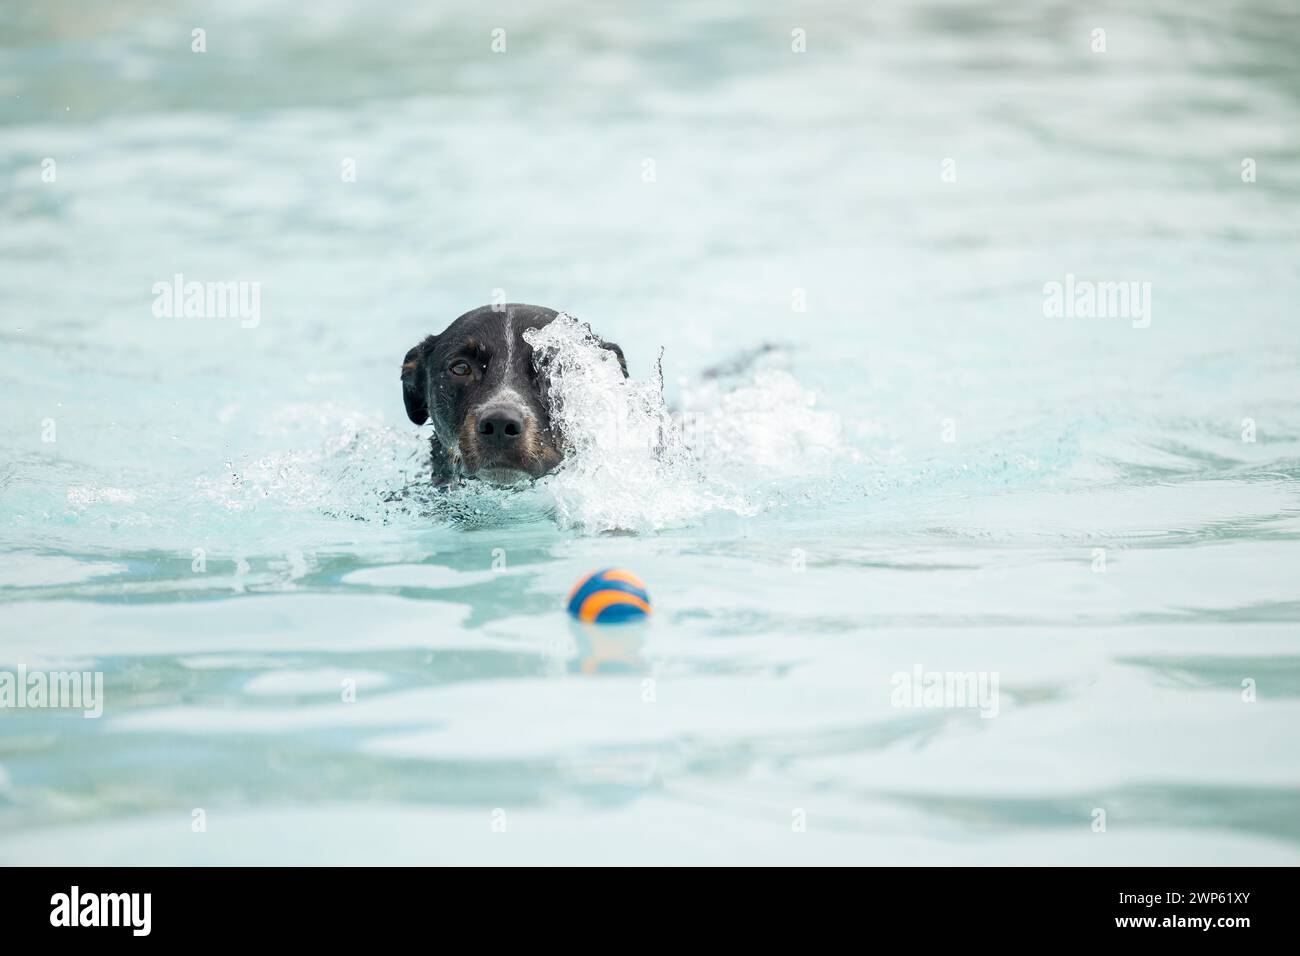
(926, 471)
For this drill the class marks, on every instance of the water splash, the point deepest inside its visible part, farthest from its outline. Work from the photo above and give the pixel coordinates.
(344, 473)
(627, 465)
(768, 425)
(744, 441)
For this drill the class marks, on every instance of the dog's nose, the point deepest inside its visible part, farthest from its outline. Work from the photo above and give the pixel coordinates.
(500, 425)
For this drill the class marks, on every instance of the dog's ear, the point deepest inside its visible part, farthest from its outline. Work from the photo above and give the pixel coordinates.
(622, 362)
(417, 406)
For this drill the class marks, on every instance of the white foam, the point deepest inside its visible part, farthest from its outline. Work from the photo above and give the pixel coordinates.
(632, 465)
(769, 426)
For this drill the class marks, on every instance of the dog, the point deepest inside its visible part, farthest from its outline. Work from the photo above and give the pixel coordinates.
(478, 384)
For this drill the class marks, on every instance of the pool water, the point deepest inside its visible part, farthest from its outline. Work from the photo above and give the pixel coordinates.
(861, 456)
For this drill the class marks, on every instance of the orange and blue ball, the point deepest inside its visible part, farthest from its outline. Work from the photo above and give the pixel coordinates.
(610, 596)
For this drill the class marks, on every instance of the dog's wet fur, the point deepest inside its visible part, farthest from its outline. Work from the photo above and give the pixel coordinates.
(476, 382)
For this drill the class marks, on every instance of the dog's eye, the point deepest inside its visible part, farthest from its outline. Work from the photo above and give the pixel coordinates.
(460, 368)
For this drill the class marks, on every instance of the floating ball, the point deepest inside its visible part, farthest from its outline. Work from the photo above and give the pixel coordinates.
(609, 597)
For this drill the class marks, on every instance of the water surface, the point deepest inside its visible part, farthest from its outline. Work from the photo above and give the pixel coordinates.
(924, 470)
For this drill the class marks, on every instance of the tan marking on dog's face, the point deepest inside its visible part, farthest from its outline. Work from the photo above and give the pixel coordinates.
(538, 455)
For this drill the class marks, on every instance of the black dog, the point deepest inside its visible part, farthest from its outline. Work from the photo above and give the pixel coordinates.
(479, 385)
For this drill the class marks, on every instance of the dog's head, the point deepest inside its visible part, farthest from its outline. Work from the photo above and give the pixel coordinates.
(478, 385)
